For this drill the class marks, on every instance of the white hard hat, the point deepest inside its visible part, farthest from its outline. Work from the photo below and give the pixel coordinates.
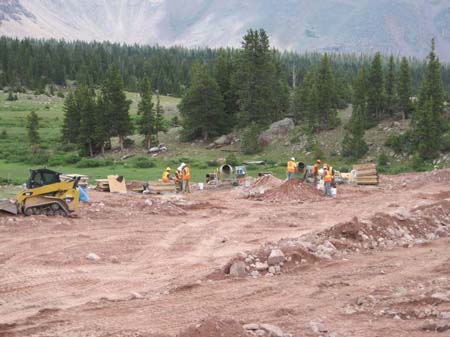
(183, 164)
(292, 158)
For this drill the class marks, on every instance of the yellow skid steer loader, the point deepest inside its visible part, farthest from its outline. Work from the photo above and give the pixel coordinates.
(45, 194)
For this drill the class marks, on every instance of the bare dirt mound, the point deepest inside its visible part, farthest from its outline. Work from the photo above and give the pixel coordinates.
(294, 189)
(215, 327)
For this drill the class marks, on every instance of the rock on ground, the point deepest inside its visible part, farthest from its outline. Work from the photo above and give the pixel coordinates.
(276, 257)
(238, 269)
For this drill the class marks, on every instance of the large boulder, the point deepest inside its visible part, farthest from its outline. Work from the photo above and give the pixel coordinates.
(222, 141)
(277, 130)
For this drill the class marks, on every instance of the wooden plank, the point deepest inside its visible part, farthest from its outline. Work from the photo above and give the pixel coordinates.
(366, 178)
(117, 184)
(365, 167)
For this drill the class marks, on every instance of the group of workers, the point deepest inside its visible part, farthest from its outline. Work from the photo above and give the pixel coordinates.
(181, 177)
(327, 173)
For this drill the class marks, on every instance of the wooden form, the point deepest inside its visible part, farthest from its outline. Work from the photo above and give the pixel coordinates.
(102, 185)
(158, 187)
(117, 184)
(366, 174)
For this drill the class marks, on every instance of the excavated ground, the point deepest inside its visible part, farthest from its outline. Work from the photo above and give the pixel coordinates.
(375, 261)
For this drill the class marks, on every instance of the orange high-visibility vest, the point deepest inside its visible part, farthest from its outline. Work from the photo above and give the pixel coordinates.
(328, 177)
(186, 173)
(166, 177)
(315, 169)
(291, 166)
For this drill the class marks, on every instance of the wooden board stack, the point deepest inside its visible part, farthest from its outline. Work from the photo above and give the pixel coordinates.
(158, 187)
(366, 174)
(102, 185)
(83, 182)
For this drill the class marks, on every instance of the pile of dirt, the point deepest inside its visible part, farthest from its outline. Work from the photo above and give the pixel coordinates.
(294, 189)
(215, 327)
(263, 184)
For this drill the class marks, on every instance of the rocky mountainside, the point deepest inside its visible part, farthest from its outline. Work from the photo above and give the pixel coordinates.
(390, 26)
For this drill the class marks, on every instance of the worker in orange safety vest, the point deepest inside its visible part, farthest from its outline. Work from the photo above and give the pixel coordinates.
(291, 168)
(315, 171)
(186, 176)
(327, 179)
(166, 176)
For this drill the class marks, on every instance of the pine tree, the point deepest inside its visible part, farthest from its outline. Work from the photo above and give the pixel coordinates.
(71, 122)
(254, 80)
(404, 88)
(428, 121)
(102, 122)
(391, 98)
(376, 93)
(326, 93)
(33, 131)
(202, 106)
(224, 76)
(159, 118)
(86, 104)
(353, 145)
(117, 105)
(147, 122)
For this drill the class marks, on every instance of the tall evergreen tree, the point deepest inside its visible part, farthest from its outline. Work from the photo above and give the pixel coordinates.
(202, 106)
(86, 104)
(428, 121)
(117, 105)
(224, 76)
(391, 98)
(404, 88)
(326, 93)
(376, 93)
(33, 131)
(102, 122)
(254, 80)
(147, 121)
(353, 145)
(159, 118)
(71, 122)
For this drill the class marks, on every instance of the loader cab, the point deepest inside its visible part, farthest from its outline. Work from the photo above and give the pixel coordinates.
(42, 177)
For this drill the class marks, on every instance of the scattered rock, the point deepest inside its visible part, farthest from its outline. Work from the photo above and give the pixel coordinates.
(237, 269)
(148, 202)
(93, 257)
(136, 296)
(276, 257)
(251, 326)
(441, 232)
(272, 330)
(254, 273)
(439, 326)
(260, 333)
(318, 327)
(261, 266)
(114, 259)
(272, 270)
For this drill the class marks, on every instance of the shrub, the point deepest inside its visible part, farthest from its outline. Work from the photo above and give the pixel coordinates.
(40, 158)
(67, 147)
(142, 162)
(64, 159)
(232, 160)
(212, 163)
(60, 94)
(90, 163)
(250, 140)
(4, 134)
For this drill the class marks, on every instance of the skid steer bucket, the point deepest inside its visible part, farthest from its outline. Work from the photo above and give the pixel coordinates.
(8, 207)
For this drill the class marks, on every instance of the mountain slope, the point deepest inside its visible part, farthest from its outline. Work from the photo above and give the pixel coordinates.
(394, 26)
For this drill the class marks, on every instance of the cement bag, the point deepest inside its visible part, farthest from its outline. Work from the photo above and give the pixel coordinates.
(83, 195)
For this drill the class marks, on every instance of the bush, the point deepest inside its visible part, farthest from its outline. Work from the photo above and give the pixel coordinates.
(175, 121)
(142, 162)
(60, 94)
(382, 163)
(250, 140)
(12, 97)
(4, 134)
(212, 163)
(445, 142)
(418, 164)
(64, 159)
(68, 147)
(401, 143)
(40, 158)
(90, 163)
(232, 160)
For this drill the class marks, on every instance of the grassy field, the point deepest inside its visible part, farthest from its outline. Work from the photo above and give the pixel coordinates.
(16, 159)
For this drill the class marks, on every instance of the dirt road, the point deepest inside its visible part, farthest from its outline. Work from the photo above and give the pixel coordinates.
(162, 260)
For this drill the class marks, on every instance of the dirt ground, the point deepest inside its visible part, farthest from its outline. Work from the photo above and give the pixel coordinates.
(375, 261)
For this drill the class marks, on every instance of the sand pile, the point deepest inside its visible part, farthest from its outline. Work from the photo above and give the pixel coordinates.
(294, 189)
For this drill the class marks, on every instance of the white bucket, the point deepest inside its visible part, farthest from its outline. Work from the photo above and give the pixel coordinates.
(200, 186)
(321, 185)
(333, 192)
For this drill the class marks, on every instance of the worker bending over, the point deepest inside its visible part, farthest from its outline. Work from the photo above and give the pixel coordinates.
(186, 175)
(166, 176)
(291, 168)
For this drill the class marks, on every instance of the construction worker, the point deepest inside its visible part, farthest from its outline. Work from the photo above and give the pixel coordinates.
(166, 176)
(291, 168)
(327, 179)
(315, 172)
(186, 174)
(178, 179)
